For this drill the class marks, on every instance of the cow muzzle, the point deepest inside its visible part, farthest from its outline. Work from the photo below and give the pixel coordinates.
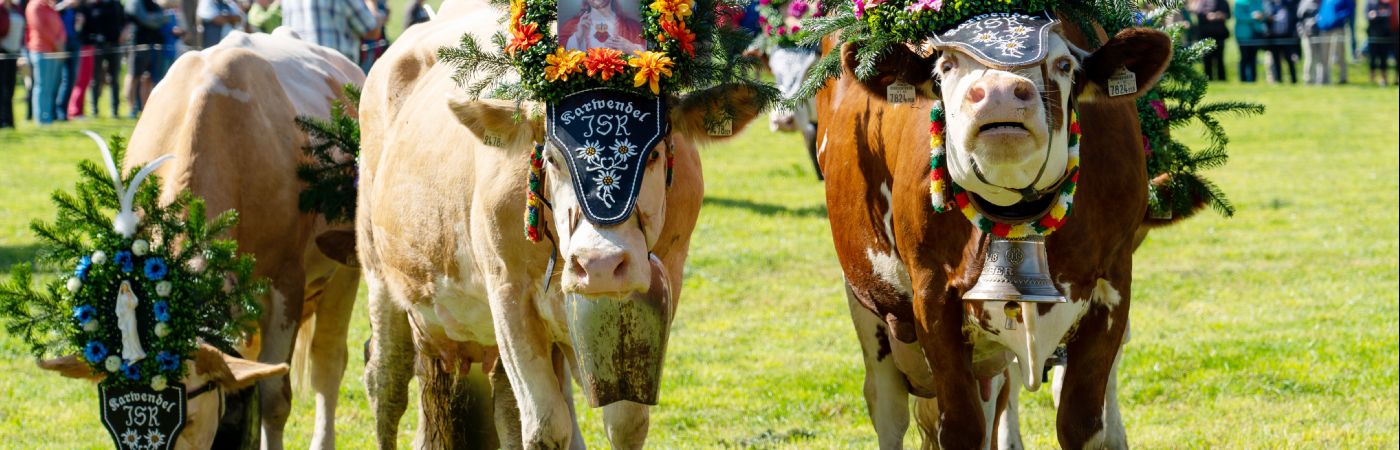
(607, 262)
(619, 341)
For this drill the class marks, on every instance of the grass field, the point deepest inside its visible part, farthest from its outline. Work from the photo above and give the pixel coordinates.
(1274, 329)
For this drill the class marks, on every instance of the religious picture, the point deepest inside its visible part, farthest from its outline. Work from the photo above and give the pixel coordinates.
(615, 24)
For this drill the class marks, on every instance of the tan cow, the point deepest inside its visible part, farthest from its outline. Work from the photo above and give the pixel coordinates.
(226, 113)
(906, 266)
(450, 272)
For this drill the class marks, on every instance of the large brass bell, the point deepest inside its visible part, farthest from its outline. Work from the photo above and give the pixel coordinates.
(1015, 270)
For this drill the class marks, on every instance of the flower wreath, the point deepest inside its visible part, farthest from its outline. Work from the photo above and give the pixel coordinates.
(774, 15)
(552, 71)
(138, 294)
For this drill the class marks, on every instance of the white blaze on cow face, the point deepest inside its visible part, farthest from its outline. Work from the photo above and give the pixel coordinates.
(608, 259)
(997, 120)
(789, 67)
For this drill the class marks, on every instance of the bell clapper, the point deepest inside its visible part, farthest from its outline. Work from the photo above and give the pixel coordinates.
(1013, 314)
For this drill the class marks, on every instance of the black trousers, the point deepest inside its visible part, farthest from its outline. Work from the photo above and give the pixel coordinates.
(8, 69)
(1214, 61)
(1283, 54)
(106, 68)
(1249, 63)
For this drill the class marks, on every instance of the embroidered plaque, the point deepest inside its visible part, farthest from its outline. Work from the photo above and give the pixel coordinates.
(141, 418)
(606, 135)
(1000, 39)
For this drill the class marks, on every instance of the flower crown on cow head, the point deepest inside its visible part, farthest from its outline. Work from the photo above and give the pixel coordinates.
(781, 21)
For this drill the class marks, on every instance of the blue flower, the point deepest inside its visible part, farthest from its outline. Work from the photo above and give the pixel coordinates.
(94, 351)
(155, 268)
(124, 260)
(83, 265)
(162, 310)
(167, 361)
(82, 314)
(131, 371)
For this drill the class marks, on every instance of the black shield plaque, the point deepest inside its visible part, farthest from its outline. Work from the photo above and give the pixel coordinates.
(606, 136)
(141, 418)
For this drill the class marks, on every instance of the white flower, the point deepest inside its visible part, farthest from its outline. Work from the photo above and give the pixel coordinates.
(158, 383)
(140, 247)
(99, 257)
(590, 151)
(163, 289)
(130, 438)
(607, 182)
(197, 264)
(74, 284)
(162, 329)
(1020, 30)
(984, 37)
(112, 363)
(90, 325)
(624, 149)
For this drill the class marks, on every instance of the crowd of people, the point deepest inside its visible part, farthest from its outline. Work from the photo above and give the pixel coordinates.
(1318, 34)
(64, 52)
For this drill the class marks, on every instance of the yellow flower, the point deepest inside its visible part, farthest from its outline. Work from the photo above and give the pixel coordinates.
(563, 63)
(651, 66)
(676, 10)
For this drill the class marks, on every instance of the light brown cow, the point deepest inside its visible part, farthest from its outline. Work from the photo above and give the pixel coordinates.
(450, 272)
(226, 113)
(906, 266)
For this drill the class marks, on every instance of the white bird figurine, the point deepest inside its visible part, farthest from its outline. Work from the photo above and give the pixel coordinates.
(125, 223)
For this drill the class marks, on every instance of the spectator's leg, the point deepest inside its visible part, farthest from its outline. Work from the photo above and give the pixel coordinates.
(114, 79)
(80, 86)
(68, 75)
(8, 69)
(1339, 55)
(1248, 62)
(1291, 53)
(46, 77)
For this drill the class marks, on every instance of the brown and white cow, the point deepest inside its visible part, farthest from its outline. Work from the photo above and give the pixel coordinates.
(906, 266)
(226, 113)
(453, 281)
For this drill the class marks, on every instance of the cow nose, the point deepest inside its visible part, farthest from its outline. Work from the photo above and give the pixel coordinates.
(600, 272)
(1001, 91)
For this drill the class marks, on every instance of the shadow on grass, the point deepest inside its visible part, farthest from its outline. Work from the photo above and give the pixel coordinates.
(9, 256)
(766, 208)
(769, 438)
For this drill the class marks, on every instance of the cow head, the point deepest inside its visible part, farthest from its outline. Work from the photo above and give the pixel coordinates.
(210, 376)
(789, 67)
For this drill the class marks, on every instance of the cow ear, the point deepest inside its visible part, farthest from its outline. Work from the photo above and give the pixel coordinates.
(496, 123)
(338, 245)
(900, 64)
(246, 372)
(1144, 52)
(72, 367)
(691, 113)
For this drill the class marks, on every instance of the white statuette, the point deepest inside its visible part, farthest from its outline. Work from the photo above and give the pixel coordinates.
(126, 322)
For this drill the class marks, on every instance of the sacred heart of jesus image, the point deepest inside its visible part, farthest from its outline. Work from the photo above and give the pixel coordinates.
(607, 135)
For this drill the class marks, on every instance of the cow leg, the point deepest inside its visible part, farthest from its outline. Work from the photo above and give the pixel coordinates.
(545, 419)
(1008, 424)
(961, 424)
(566, 389)
(328, 350)
(809, 137)
(435, 404)
(1085, 417)
(389, 367)
(282, 317)
(506, 411)
(473, 421)
(886, 391)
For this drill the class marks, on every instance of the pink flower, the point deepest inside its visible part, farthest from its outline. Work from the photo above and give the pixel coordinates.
(862, 5)
(765, 2)
(1160, 108)
(794, 29)
(925, 5)
(1146, 146)
(798, 8)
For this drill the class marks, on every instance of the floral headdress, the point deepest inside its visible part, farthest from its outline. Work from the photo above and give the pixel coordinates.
(781, 19)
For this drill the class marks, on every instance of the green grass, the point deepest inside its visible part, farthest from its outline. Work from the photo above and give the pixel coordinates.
(1274, 329)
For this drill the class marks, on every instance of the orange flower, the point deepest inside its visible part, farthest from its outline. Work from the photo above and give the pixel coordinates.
(651, 66)
(604, 62)
(682, 36)
(517, 12)
(523, 37)
(562, 64)
(675, 10)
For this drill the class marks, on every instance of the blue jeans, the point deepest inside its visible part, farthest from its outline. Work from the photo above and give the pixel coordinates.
(69, 70)
(46, 77)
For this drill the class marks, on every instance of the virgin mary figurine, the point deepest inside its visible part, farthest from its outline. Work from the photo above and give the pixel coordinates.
(126, 322)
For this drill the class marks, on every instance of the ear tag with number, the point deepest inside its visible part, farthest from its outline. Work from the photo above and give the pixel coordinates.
(493, 140)
(899, 92)
(722, 127)
(1123, 82)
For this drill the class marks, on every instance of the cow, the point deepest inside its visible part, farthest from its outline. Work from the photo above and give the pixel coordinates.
(226, 113)
(456, 289)
(789, 67)
(210, 379)
(906, 266)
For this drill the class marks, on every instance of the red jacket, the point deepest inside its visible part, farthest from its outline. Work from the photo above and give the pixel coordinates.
(46, 33)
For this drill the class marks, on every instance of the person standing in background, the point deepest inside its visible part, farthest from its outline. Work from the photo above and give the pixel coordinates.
(170, 35)
(103, 21)
(46, 37)
(78, 90)
(336, 24)
(1210, 24)
(216, 19)
(1380, 38)
(1332, 17)
(372, 47)
(417, 13)
(1283, 37)
(265, 15)
(68, 70)
(1250, 34)
(11, 39)
(142, 67)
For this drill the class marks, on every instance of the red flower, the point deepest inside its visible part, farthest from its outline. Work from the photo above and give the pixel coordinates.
(523, 37)
(682, 36)
(604, 62)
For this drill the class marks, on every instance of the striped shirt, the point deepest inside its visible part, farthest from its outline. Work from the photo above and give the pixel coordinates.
(337, 24)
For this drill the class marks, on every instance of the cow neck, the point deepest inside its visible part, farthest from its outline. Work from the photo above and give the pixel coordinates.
(940, 184)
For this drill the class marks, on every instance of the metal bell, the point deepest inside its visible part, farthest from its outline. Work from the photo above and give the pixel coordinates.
(1015, 270)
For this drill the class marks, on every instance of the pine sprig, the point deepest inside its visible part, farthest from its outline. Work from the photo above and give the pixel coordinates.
(332, 175)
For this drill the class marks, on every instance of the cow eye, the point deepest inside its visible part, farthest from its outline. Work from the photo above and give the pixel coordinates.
(1063, 65)
(946, 65)
(653, 157)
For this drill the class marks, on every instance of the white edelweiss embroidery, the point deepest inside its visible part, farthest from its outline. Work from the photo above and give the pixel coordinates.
(1020, 30)
(590, 151)
(1010, 47)
(607, 175)
(985, 37)
(623, 148)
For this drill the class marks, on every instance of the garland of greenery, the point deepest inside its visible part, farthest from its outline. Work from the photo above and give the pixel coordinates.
(332, 176)
(189, 286)
(689, 51)
(773, 16)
